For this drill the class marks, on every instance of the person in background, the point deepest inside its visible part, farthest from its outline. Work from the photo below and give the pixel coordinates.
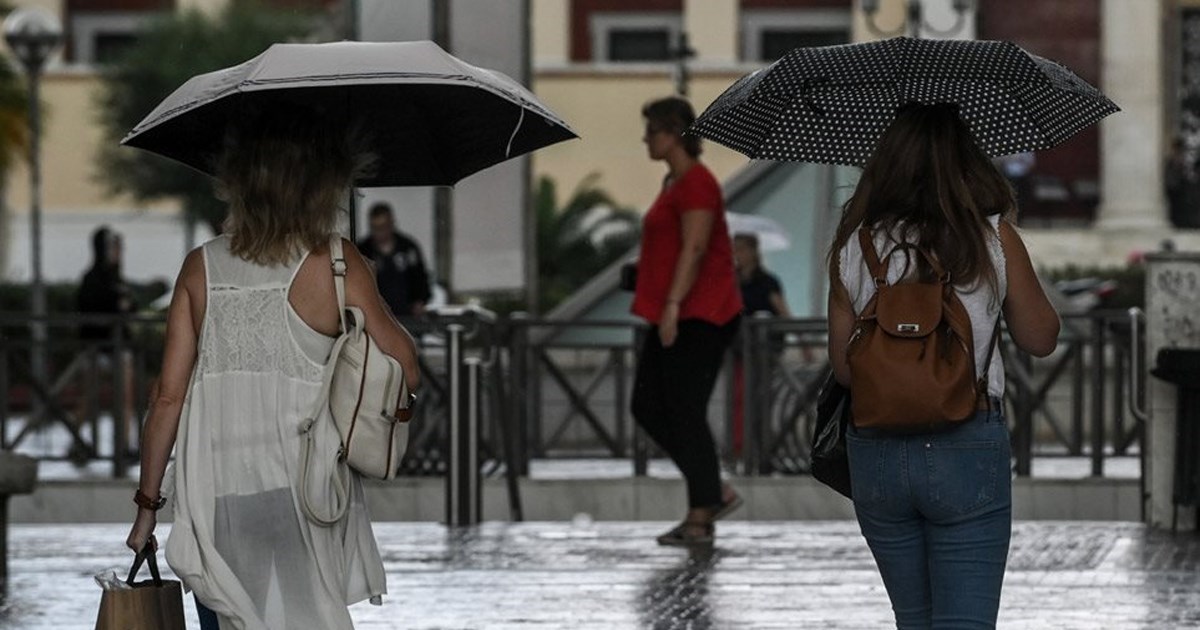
(761, 293)
(687, 290)
(399, 267)
(103, 291)
(761, 289)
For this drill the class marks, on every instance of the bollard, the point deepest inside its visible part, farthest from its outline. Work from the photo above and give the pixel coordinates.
(18, 475)
(462, 474)
(520, 399)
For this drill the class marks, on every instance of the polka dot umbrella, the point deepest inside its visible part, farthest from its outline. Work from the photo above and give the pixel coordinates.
(831, 104)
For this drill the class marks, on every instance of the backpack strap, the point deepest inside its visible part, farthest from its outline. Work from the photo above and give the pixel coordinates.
(866, 242)
(878, 266)
(987, 363)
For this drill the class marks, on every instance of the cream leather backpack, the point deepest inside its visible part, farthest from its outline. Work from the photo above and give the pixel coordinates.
(368, 399)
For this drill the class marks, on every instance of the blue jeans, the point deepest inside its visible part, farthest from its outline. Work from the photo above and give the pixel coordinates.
(936, 510)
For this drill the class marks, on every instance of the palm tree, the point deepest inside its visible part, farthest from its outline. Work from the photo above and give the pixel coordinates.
(14, 132)
(173, 50)
(580, 238)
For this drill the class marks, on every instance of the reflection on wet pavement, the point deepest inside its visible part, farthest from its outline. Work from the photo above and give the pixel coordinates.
(612, 576)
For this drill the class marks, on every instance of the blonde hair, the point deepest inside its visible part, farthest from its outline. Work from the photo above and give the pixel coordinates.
(286, 175)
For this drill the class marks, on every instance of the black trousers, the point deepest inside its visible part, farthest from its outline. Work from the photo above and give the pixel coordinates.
(670, 401)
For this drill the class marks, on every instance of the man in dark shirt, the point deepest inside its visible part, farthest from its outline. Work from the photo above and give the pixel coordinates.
(103, 291)
(399, 268)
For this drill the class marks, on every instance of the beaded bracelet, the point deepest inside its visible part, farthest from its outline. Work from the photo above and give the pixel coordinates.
(147, 503)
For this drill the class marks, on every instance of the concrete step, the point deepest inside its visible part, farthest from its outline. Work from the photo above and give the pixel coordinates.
(621, 499)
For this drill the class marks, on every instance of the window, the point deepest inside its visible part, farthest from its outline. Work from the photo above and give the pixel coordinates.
(635, 37)
(108, 47)
(639, 45)
(768, 35)
(102, 37)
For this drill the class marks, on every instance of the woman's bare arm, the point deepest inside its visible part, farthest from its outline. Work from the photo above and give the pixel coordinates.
(1032, 320)
(393, 339)
(166, 400)
(841, 326)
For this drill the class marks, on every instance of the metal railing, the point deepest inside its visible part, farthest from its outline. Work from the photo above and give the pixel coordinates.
(531, 388)
(1070, 404)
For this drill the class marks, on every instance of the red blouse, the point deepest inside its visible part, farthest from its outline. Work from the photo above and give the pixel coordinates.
(714, 297)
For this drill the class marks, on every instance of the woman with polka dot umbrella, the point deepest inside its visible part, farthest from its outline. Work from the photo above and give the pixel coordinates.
(831, 104)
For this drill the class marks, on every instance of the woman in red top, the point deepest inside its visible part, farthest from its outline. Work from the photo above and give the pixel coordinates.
(688, 292)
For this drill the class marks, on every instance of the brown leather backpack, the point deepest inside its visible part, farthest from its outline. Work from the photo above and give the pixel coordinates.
(912, 353)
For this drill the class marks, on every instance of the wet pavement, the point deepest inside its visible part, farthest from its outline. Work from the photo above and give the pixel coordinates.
(584, 576)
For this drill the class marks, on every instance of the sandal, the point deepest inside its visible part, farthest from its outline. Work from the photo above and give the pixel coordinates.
(684, 534)
(728, 507)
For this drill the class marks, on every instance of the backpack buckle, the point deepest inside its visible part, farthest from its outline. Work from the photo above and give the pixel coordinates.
(908, 328)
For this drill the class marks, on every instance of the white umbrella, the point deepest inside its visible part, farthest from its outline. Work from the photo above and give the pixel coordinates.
(771, 236)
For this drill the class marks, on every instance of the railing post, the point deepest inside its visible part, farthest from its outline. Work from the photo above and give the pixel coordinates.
(536, 440)
(120, 422)
(4, 387)
(1098, 375)
(640, 447)
(620, 400)
(1078, 387)
(518, 388)
(462, 479)
(1119, 349)
(749, 395)
(1024, 412)
(762, 394)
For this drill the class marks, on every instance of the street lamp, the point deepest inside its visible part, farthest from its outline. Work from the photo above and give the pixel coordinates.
(33, 35)
(916, 18)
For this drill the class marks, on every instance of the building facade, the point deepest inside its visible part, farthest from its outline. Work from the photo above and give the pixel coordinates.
(1096, 199)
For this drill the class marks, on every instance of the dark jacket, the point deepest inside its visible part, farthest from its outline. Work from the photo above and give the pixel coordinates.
(102, 291)
(400, 275)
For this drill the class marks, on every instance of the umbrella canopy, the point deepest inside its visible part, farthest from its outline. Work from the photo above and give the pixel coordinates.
(772, 237)
(433, 118)
(832, 104)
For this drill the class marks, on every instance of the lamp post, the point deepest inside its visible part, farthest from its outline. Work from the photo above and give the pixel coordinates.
(916, 18)
(681, 53)
(33, 35)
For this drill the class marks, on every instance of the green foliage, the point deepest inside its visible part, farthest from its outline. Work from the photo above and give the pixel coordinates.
(173, 50)
(578, 239)
(1130, 280)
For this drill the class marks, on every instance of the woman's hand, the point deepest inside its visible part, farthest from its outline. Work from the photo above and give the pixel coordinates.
(668, 325)
(143, 530)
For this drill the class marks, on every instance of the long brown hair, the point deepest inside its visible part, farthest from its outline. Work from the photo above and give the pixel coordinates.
(286, 176)
(928, 174)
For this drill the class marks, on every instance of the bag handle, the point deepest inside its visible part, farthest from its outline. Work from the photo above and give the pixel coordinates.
(146, 554)
(337, 261)
(341, 486)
